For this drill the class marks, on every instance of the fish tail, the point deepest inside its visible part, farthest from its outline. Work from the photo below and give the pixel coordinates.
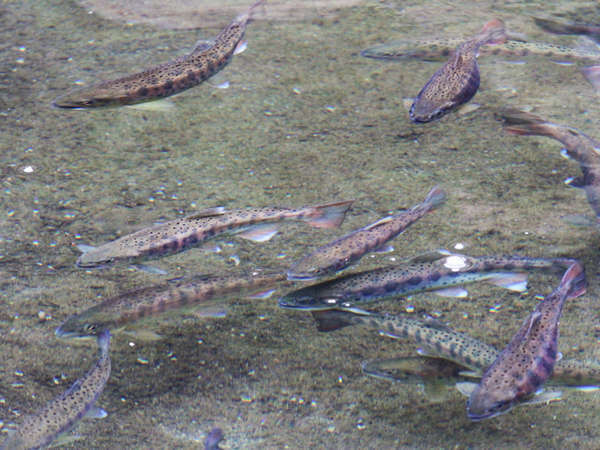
(104, 341)
(330, 215)
(574, 277)
(525, 124)
(492, 33)
(592, 74)
(436, 197)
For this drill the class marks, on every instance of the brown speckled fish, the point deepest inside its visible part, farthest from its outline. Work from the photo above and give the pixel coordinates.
(62, 413)
(125, 309)
(343, 252)
(166, 79)
(582, 148)
(257, 224)
(528, 360)
(457, 81)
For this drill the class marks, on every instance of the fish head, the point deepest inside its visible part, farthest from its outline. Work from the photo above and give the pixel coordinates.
(80, 327)
(88, 97)
(309, 299)
(423, 111)
(305, 270)
(95, 257)
(485, 403)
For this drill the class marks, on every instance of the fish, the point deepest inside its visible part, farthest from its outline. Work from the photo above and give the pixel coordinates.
(256, 224)
(528, 360)
(467, 357)
(580, 147)
(347, 250)
(61, 414)
(557, 27)
(164, 80)
(123, 310)
(440, 49)
(440, 271)
(213, 438)
(457, 81)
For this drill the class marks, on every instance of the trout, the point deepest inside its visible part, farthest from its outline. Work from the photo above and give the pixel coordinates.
(457, 81)
(173, 77)
(528, 360)
(347, 250)
(257, 224)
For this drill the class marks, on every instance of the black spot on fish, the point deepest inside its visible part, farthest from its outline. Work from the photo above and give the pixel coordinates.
(143, 91)
(414, 280)
(168, 85)
(534, 379)
(434, 276)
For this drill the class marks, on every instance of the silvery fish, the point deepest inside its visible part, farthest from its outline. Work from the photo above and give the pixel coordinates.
(256, 224)
(440, 272)
(167, 79)
(124, 310)
(457, 81)
(345, 251)
(582, 148)
(436, 340)
(62, 413)
(528, 360)
(440, 49)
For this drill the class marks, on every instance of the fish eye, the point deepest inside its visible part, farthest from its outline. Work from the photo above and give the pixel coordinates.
(89, 327)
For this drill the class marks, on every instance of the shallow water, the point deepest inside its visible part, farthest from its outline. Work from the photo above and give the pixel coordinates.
(305, 120)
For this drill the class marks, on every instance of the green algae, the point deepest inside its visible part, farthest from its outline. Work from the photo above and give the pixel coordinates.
(306, 120)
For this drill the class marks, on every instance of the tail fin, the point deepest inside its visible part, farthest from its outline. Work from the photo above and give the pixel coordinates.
(523, 123)
(436, 197)
(492, 33)
(327, 216)
(575, 278)
(592, 74)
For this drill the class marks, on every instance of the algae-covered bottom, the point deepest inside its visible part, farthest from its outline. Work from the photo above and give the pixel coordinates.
(305, 120)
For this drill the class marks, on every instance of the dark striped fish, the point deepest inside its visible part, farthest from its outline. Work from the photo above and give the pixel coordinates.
(257, 224)
(440, 272)
(580, 147)
(457, 81)
(528, 360)
(125, 309)
(62, 413)
(345, 251)
(166, 79)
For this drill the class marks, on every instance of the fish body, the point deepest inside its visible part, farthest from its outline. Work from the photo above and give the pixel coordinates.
(528, 360)
(582, 148)
(440, 49)
(557, 27)
(436, 340)
(174, 236)
(62, 413)
(125, 309)
(166, 79)
(457, 81)
(440, 272)
(341, 253)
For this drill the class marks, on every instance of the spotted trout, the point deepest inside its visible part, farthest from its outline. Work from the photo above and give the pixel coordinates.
(440, 272)
(457, 81)
(256, 224)
(345, 251)
(528, 360)
(124, 310)
(580, 147)
(440, 49)
(62, 413)
(436, 340)
(167, 79)
(555, 26)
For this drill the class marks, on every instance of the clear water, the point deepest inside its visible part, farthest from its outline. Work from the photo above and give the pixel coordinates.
(305, 120)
